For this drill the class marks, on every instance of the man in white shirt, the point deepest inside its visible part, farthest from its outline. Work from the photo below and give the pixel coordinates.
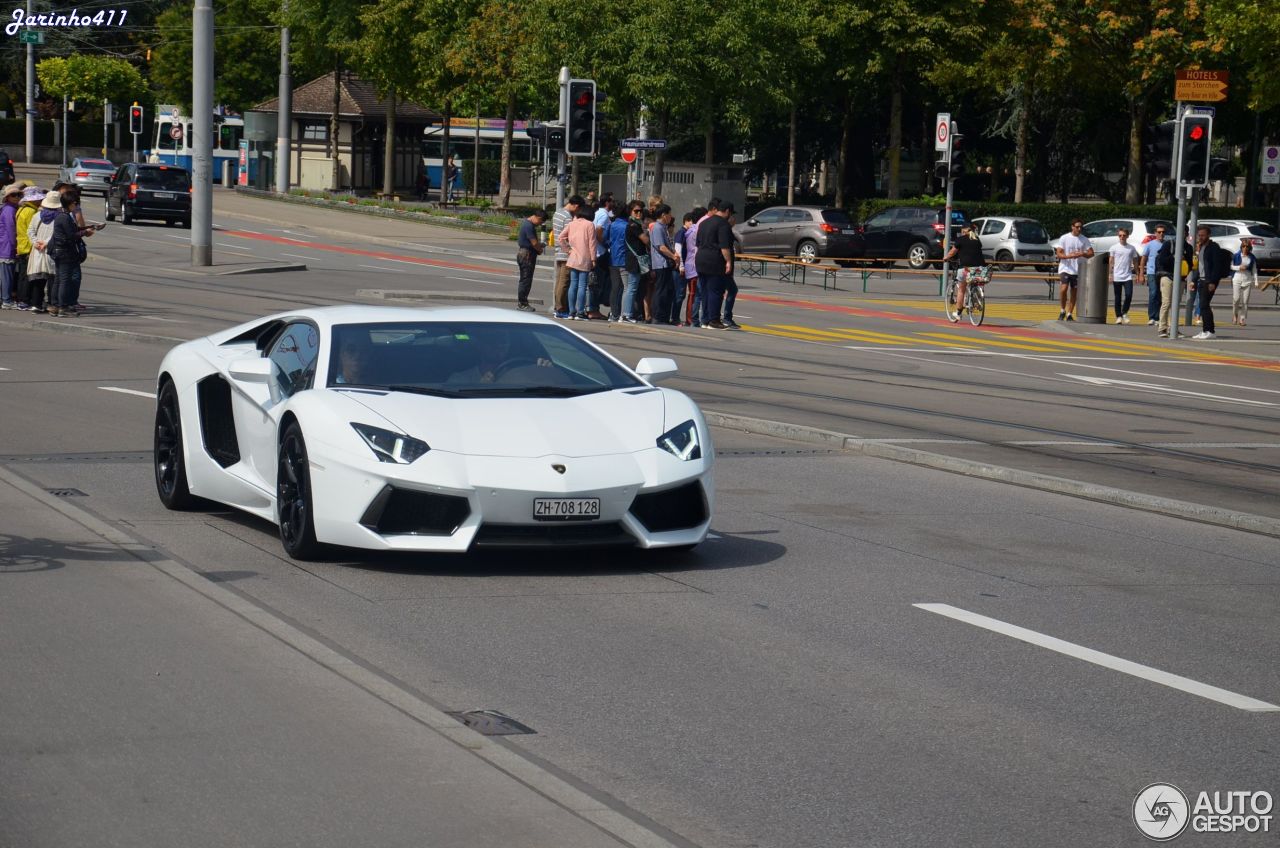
(1071, 249)
(1120, 261)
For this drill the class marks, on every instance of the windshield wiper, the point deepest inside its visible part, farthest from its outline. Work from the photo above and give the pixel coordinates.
(424, 390)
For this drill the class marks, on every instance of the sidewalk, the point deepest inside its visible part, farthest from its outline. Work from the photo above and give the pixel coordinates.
(147, 705)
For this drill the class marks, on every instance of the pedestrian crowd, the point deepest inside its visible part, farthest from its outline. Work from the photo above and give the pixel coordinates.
(634, 261)
(42, 246)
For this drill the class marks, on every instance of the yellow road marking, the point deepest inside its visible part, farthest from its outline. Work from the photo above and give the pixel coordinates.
(983, 340)
(805, 336)
(842, 334)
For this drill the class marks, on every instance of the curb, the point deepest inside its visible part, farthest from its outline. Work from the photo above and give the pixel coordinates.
(212, 269)
(504, 759)
(1248, 522)
(74, 327)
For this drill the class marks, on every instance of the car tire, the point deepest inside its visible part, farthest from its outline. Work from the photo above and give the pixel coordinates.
(186, 223)
(918, 256)
(168, 459)
(294, 502)
(110, 216)
(169, 222)
(807, 251)
(126, 215)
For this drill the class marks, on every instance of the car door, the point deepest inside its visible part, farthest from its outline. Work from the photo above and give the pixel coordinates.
(876, 233)
(118, 181)
(991, 232)
(791, 231)
(257, 405)
(762, 236)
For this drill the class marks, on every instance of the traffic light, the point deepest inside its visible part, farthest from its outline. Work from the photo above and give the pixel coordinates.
(1157, 148)
(1219, 169)
(135, 119)
(941, 169)
(1197, 133)
(957, 156)
(580, 123)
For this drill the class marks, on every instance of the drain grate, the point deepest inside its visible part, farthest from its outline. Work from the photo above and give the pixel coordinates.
(777, 452)
(492, 723)
(67, 493)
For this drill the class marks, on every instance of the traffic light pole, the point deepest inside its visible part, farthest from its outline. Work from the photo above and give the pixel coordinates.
(1179, 228)
(560, 158)
(946, 232)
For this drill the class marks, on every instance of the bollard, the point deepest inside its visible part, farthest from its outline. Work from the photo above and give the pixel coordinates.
(1094, 285)
(227, 179)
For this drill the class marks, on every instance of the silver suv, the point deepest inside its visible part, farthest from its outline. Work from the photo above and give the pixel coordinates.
(1265, 238)
(806, 232)
(1011, 240)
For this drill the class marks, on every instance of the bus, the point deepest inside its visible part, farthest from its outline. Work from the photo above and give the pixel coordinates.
(172, 140)
(462, 144)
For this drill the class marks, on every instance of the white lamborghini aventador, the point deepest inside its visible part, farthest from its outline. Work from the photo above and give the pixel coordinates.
(431, 430)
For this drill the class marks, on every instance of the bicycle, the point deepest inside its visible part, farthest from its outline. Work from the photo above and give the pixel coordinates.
(975, 298)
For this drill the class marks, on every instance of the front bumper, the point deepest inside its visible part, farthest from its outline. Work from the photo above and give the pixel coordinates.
(447, 502)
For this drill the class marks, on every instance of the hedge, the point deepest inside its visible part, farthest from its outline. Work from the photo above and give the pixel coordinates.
(1057, 217)
(13, 133)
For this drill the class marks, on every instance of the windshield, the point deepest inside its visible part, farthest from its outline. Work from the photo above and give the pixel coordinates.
(471, 359)
(166, 179)
(1030, 232)
(1263, 230)
(96, 165)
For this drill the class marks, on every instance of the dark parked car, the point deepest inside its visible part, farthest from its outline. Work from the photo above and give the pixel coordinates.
(808, 232)
(158, 192)
(6, 168)
(913, 233)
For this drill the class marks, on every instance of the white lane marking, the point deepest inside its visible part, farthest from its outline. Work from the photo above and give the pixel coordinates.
(233, 247)
(492, 259)
(384, 269)
(128, 391)
(2, 368)
(179, 238)
(486, 282)
(297, 236)
(922, 441)
(1145, 672)
(300, 256)
(158, 318)
(1153, 388)
(1213, 383)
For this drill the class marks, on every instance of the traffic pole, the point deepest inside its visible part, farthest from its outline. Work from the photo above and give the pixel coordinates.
(202, 134)
(284, 118)
(1178, 240)
(946, 224)
(560, 160)
(31, 96)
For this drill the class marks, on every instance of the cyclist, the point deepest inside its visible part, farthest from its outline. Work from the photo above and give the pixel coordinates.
(967, 253)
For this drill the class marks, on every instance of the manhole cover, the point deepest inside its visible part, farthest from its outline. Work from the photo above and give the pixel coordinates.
(491, 723)
(67, 493)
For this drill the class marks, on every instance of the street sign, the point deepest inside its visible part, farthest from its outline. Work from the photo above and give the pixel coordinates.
(1201, 86)
(643, 143)
(628, 155)
(941, 131)
(175, 132)
(31, 36)
(1271, 164)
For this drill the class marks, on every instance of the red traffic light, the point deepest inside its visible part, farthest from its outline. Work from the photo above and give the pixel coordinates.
(1197, 132)
(584, 99)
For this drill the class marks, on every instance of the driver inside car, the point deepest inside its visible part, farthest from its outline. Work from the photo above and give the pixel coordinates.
(353, 363)
(493, 357)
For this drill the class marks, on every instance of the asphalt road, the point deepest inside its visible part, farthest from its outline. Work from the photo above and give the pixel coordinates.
(782, 686)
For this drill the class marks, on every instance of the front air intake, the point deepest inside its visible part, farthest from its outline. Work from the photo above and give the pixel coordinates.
(680, 508)
(402, 512)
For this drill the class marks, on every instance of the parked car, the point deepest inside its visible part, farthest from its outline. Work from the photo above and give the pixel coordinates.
(911, 232)
(158, 192)
(1104, 235)
(1022, 240)
(1265, 238)
(808, 232)
(6, 168)
(91, 176)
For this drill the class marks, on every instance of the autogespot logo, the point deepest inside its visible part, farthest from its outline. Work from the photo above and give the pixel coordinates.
(1160, 811)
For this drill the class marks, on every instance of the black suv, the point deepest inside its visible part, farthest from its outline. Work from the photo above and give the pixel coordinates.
(6, 168)
(158, 192)
(913, 233)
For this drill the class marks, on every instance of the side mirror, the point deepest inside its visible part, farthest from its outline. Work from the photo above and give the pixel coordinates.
(751, 222)
(251, 369)
(656, 369)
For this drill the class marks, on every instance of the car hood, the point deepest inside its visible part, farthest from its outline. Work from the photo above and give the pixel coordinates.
(615, 422)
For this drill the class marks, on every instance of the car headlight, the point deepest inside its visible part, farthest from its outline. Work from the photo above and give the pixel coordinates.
(391, 447)
(682, 441)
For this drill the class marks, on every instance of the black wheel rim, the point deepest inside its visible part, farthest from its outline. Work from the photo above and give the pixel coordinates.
(168, 444)
(291, 491)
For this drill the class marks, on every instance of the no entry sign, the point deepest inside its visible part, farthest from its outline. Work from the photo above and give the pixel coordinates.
(628, 155)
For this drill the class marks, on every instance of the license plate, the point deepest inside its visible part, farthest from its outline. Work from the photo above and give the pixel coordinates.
(162, 195)
(848, 232)
(566, 509)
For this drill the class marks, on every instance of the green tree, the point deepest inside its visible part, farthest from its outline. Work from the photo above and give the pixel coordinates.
(90, 78)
